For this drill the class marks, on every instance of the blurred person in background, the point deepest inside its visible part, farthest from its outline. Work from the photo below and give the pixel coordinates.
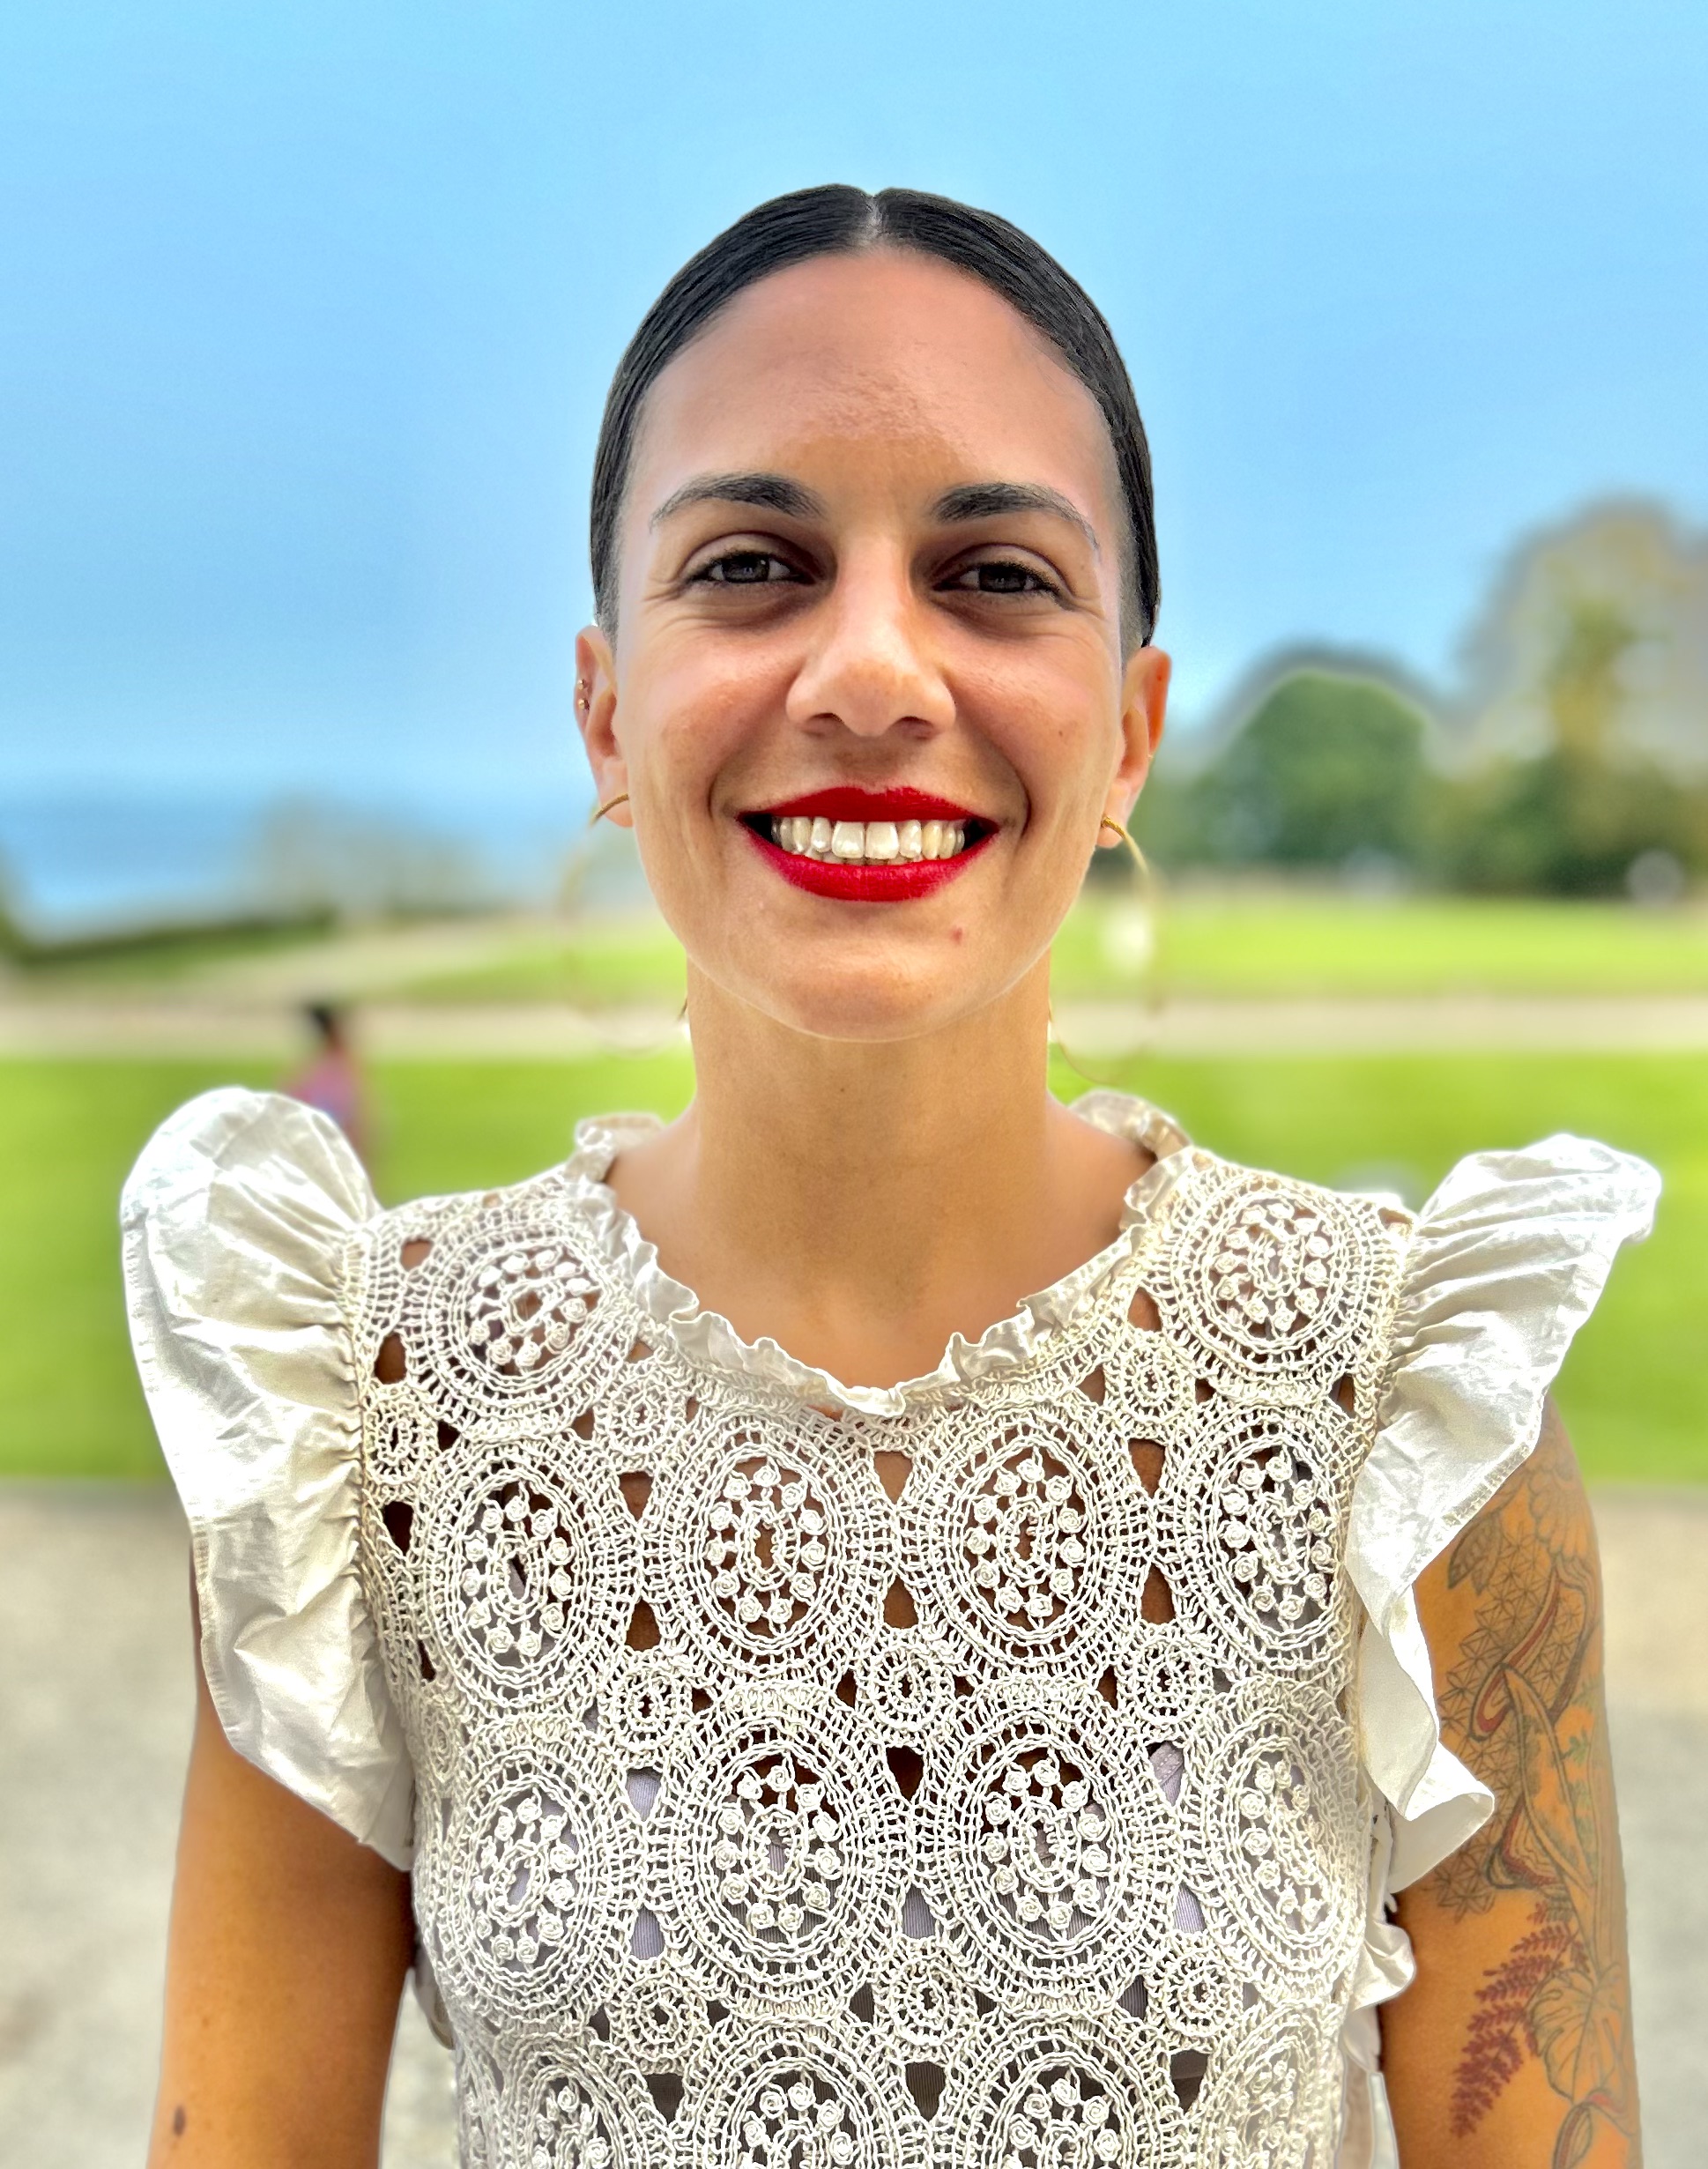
(331, 1080)
(1155, 1719)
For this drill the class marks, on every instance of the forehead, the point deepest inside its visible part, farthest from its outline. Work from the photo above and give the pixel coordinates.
(886, 366)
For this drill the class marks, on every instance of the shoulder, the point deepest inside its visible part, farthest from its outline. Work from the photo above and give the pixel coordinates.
(262, 1178)
(1505, 1262)
(1281, 1287)
(238, 1220)
(233, 1144)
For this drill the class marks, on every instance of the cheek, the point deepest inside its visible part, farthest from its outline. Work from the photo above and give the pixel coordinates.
(686, 720)
(1053, 714)
(1064, 754)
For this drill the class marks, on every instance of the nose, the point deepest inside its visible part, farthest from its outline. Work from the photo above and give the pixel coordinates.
(870, 667)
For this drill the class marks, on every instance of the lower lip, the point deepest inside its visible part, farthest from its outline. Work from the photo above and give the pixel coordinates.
(899, 882)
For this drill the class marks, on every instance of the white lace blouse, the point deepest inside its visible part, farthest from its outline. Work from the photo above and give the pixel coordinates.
(534, 1576)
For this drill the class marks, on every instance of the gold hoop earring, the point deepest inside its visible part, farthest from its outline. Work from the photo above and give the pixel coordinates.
(1130, 941)
(610, 806)
(1120, 828)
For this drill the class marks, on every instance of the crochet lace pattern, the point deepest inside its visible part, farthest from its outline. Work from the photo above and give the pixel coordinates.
(769, 1821)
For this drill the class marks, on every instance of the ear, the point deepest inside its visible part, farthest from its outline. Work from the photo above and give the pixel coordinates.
(596, 718)
(1144, 702)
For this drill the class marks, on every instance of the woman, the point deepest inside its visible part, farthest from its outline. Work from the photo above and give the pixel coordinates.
(1013, 1756)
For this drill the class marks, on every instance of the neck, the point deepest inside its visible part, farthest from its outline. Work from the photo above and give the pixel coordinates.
(869, 1154)
(860, 1202)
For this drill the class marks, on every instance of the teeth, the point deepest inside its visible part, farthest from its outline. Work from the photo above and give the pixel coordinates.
(875, 843)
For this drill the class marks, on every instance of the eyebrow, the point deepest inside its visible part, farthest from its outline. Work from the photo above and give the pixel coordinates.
(984, 500)
(772, 493)
(968, 501)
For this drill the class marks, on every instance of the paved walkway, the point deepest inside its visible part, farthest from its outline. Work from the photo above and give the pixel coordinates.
(94, 1720)
(266, 1031)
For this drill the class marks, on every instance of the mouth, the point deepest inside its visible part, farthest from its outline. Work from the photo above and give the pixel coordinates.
(868, 846)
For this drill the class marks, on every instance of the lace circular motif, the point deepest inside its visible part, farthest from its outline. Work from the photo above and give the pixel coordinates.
(925, 2004)
(1167, 1677)
(498, 1311)
(1050, 1845)
(775, 1557)
(906, 1689)
(1278, 1822)
(1271, 1278)
(647, 1703)
(1022, 1530)
(525, 1576)
(1197, 1997)
(801, 2097)
(1264, 1520)
(658, 2018)
(1267, 2103)
(541, 1876)
(1055, 2095)
(785, 1853)
(587, 2110)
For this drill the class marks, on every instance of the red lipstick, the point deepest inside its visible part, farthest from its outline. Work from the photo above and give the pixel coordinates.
(898, 881)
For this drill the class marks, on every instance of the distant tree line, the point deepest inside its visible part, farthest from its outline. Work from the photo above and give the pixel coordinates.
(1574, 763)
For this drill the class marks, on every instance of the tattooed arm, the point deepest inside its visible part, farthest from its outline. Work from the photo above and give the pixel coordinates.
(1513, 2047)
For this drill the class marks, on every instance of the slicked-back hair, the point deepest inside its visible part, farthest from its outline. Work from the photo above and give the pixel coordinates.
(846, 221)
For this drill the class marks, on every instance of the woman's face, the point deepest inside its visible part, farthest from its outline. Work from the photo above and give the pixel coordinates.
(868, 697)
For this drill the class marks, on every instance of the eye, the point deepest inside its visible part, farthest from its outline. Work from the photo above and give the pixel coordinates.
(744, 568)
(1002, 576)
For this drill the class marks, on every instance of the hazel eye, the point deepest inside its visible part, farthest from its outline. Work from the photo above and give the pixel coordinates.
(745, 569)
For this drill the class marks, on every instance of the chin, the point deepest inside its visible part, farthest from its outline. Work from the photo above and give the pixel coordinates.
(870, 1006)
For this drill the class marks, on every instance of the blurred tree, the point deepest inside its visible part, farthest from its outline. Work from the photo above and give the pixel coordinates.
(11, 937)
(1576, 762)
(1327, 769)
(1587, 656)
(1594, 638)
(1566, 824)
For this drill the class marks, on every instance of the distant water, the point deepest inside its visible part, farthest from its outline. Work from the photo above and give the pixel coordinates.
(78, 861)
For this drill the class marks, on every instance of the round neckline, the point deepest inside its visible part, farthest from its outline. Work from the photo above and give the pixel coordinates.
(709, 1340)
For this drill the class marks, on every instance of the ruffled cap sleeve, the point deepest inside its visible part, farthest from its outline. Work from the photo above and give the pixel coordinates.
(1508, 1258)
(235, 1220)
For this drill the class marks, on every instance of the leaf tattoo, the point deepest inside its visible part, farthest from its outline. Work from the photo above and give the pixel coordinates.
(1523, 1705)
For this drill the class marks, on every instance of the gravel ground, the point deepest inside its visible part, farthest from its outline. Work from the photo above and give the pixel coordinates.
(94, 1721)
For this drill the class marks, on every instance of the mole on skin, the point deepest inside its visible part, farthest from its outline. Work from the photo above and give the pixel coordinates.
(179, 2120)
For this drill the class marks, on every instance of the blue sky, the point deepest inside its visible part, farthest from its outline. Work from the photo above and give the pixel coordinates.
(310, 309)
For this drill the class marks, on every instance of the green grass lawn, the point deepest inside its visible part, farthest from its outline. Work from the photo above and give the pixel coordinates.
(1266, 942)
(1306, 942)
(1273, 940)
(69, 1405)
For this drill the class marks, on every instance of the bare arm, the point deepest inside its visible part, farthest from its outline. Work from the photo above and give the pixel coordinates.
(1513, 2048)
(288, 1946)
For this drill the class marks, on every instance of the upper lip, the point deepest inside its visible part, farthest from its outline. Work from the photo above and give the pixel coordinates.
(850, 802)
